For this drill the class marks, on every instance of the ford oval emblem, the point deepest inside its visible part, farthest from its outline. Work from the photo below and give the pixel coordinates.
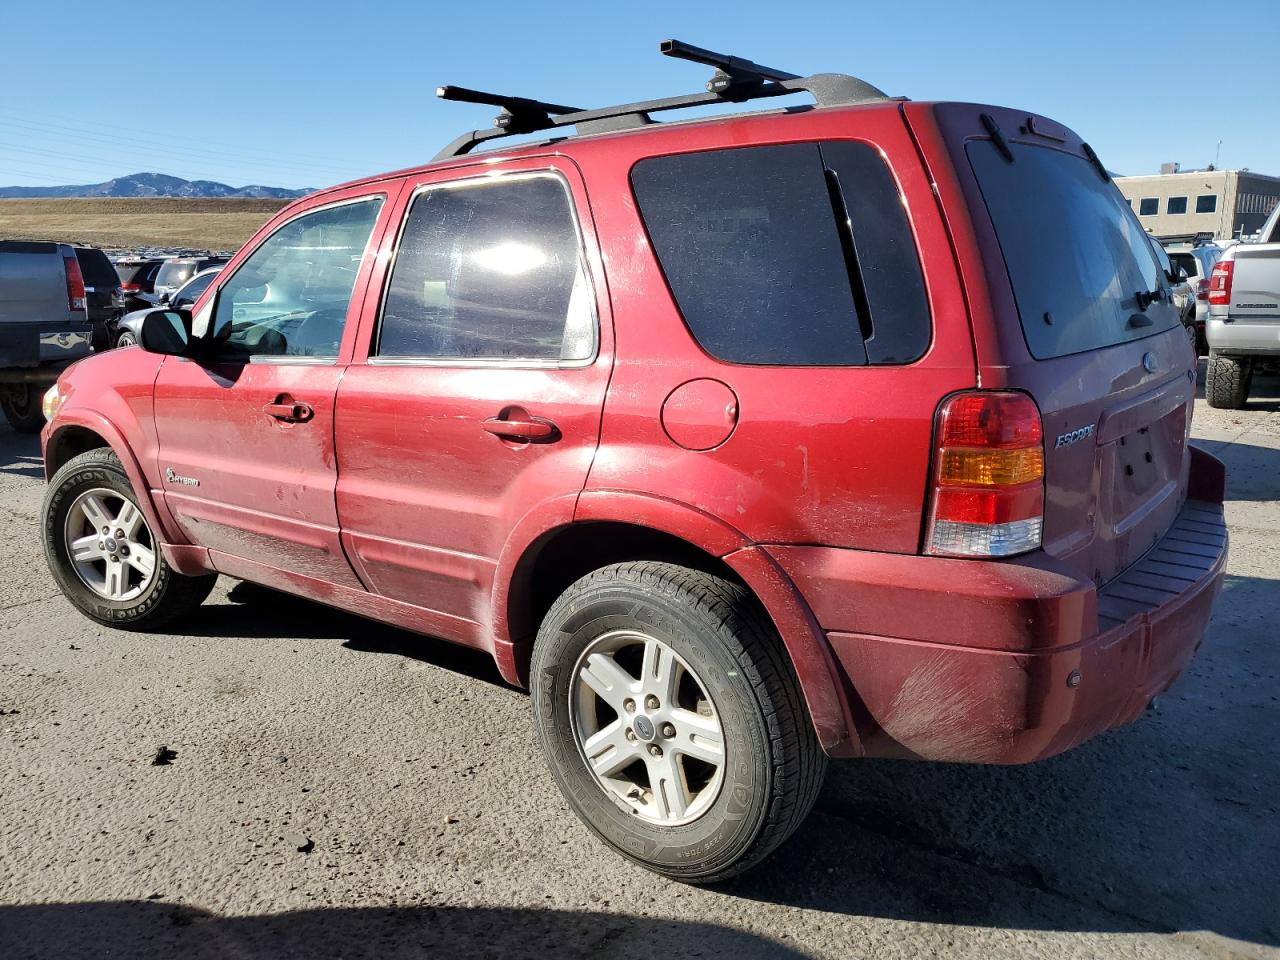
(1150, 363)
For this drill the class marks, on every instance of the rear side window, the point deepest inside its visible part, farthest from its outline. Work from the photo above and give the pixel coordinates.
(490, 270)
(798, 254)
(1079, 262)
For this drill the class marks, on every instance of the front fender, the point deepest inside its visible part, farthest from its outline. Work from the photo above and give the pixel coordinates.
(81, 418)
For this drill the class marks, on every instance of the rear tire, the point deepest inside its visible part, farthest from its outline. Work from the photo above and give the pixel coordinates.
(131, 588)
(770, 766)
(126, 339)
(22, 408)
(1227, 381)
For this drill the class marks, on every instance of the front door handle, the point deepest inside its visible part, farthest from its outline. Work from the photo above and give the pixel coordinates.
(517, 425)
(289, 410)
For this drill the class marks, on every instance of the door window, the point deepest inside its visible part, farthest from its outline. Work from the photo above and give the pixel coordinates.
(290, 297)
(490, 270)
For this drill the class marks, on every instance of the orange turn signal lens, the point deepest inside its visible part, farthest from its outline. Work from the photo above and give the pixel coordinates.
(990, 467)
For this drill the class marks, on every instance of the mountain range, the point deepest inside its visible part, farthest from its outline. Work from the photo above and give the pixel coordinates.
(153, 185)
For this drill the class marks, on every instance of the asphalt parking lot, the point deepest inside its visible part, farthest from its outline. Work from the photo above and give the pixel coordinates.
(341, 788)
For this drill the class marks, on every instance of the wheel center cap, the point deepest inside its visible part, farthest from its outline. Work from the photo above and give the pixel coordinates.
(644, 728)
(111, 544)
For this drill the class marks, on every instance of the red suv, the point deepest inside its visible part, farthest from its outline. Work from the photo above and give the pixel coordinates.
(856, 429)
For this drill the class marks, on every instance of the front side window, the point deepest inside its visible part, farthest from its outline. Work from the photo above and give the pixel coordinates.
(1149, 206)
(1176, 205)
(491, 270)
(290, 297)
(1207, 203)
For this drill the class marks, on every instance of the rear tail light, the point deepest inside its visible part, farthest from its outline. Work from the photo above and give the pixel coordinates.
(988, 476)
(1202, 288)
(1220, 283)
(75, 283)
(130, 287)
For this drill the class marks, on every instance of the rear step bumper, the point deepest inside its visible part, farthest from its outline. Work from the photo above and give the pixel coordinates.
(1014, 661)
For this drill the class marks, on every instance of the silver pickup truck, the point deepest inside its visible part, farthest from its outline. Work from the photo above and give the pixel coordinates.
(1243, 329)
(43, 324)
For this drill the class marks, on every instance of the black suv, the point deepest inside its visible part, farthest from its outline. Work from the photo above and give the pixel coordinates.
(101, 294)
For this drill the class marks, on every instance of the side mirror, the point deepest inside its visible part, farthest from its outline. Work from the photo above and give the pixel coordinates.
(167, 332)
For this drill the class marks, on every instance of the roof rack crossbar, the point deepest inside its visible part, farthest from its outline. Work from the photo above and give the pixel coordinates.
(736, 80)
(731, 72)
(519, 114)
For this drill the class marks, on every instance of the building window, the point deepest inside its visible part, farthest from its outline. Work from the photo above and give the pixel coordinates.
(1207, 203)
(1176, 205)
(1148, 206)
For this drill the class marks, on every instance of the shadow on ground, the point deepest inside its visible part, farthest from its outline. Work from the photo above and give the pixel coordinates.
(152, 929)
(1167, 825)
(20, 454)
(256, 611)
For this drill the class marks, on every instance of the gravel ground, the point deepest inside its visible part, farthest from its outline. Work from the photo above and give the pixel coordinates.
(340, 788)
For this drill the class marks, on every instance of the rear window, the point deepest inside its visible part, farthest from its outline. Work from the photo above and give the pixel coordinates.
(1186, 262)
(175, 273)
(1077, 258)
(96, 267)
(798, 254)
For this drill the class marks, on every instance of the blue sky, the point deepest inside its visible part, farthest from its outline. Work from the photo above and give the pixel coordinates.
(308, 94)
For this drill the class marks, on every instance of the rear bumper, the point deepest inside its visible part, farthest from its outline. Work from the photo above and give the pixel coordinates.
(1243, 337)
(1010, 662)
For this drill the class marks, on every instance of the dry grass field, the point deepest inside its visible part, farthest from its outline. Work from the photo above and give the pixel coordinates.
(212, 224)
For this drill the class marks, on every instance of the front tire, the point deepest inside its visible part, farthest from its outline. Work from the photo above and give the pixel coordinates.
(672, 720)
(1227, 382)
(21, 404)
(103, 554)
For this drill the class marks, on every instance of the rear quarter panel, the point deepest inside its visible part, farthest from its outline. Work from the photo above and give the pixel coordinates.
(833, 455)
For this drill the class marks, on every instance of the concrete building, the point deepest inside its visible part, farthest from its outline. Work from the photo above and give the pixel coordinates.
(1176, 204)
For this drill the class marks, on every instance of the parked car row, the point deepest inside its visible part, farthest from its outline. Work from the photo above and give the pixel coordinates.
(1196, 262)
(60, 301)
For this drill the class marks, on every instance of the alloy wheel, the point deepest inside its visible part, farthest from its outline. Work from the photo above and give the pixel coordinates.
(110, 545)
(647, 728)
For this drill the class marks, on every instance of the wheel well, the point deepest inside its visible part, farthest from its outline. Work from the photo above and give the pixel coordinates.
(569, 553)
(72, 442)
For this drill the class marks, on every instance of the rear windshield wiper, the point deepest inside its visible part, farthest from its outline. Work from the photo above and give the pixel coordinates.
(997, 136)
(1093, 158)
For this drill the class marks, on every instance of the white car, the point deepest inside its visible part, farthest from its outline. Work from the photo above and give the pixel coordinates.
(1197, 262)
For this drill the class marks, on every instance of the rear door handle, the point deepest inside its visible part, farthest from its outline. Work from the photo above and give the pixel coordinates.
(523, 427)
(289, 410)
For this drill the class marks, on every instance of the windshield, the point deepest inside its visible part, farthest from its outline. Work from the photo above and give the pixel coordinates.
(1080, 264)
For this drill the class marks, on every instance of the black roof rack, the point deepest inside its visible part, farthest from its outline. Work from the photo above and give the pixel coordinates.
(735, 81)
